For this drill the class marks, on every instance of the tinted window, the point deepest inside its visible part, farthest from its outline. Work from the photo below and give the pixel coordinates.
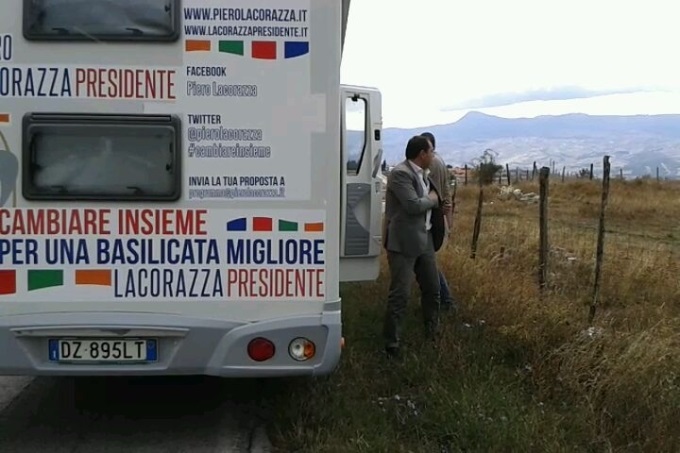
(101, 158)
(355, 133)
(133, 20)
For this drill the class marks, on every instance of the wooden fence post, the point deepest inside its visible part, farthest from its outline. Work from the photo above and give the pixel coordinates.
(543, 248)
(600, 239)
(478, 222)
(453, 204)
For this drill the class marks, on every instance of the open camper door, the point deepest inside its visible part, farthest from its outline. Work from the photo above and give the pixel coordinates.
(361, 203)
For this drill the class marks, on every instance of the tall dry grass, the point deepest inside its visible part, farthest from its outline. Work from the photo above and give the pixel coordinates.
(516, 370)
(625, 367)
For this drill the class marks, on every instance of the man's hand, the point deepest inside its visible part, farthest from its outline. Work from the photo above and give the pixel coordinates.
(447, 210)
(433, 196)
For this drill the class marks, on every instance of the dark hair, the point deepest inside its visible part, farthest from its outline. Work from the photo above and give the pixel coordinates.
(430, 136)
(415, 145)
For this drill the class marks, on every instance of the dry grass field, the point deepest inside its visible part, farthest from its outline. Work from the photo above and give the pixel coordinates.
(517, 370)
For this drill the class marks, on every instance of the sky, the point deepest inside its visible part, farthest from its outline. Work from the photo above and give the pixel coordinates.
(435, 60)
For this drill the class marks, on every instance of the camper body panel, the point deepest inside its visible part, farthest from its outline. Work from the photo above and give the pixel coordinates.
(181, 192)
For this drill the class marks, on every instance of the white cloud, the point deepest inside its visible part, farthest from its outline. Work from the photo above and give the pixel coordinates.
(439, 53)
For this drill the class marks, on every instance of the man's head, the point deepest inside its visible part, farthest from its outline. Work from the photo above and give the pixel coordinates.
(419, 150)
(430, 137)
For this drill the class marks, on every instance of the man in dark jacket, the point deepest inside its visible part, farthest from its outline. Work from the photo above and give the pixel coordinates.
(440, 177)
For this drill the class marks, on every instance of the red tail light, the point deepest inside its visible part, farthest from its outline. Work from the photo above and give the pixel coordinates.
(261, 349)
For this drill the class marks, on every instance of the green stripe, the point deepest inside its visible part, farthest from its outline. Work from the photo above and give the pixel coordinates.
(40, 279)
(234, 47)
(285, 225)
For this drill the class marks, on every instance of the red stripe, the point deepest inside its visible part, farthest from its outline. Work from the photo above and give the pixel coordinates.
(8, 282)
(262, 224)
(265, 50)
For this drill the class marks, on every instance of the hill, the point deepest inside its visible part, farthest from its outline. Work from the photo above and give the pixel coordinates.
(638, 143)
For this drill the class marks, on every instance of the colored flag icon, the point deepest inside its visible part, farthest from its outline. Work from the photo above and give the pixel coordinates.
(262, 224)
(41, 279)
(264, 50)
(314, 227)
(285, 225)
(8, 282)
(232, 47)
(237, 225)
(196, 45)
(292, 49)
(101, 277)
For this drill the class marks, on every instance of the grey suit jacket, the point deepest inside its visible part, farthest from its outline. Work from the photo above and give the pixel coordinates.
(406, 207)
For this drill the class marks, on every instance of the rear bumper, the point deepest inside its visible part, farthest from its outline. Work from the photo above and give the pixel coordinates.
(186, 346)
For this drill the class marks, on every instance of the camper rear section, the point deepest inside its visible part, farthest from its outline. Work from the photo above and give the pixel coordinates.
(171, 186)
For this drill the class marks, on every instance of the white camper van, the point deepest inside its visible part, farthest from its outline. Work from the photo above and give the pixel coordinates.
(183, 185)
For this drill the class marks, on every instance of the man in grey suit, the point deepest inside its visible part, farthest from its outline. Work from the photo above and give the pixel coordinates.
(413, 231)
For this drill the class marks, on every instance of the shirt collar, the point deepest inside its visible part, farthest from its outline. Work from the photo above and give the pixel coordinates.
(419, 170)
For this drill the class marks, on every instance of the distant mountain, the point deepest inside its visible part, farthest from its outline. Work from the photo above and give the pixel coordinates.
(638, 143)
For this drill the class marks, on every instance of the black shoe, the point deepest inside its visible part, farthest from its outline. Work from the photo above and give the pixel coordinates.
(393, 352)
(432, 337)
(448, 306)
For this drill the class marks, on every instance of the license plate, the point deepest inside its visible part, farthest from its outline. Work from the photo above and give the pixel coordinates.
(103, 350)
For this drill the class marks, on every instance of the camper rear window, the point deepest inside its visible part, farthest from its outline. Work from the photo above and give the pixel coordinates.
(101, 20)
(104, 157)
